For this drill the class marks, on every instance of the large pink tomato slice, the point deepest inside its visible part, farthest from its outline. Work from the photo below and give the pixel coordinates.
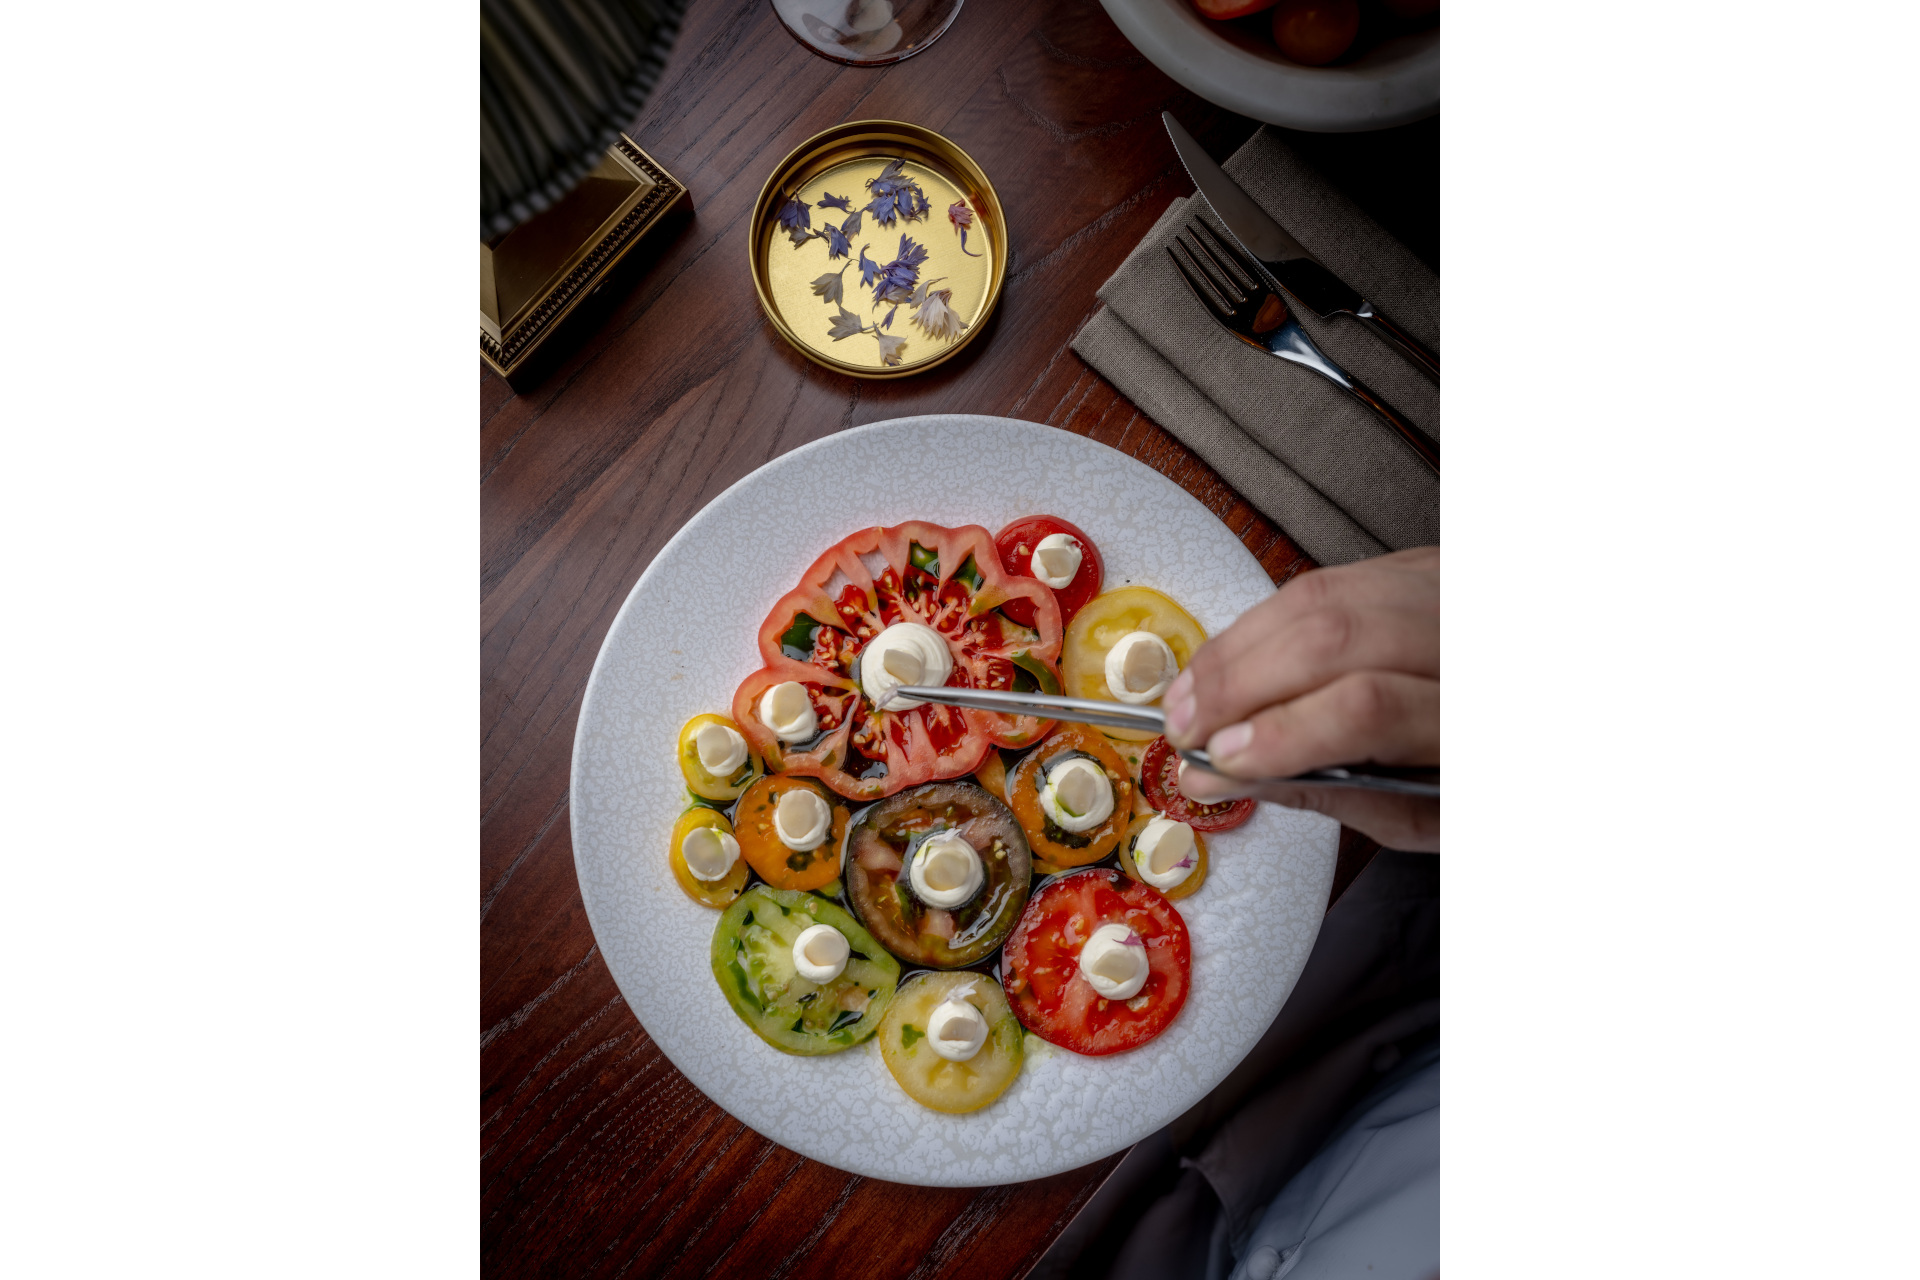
(948, 579)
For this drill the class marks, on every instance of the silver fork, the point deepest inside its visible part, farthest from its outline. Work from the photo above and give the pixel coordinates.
(1255, 314)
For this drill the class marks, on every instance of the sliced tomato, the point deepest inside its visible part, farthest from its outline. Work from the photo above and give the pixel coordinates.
(1221, 9)
(948, 579)
(1160, 780)
(1040, 965)
(1016, 543)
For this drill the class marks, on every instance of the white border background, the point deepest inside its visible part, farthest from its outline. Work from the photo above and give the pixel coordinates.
(1679, 630)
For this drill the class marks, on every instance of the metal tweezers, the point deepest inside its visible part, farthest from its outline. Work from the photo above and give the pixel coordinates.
(1118, 715)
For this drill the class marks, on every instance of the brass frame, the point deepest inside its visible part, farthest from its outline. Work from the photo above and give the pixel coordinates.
(568, 268)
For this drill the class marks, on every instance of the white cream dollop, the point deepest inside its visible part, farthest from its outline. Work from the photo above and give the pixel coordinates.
(786, 710)
(1115, 962)
(820, 953)
(709, 854)
(1056, 560)
(1164, 853)
(905, 653)
(802, 819)
(946, 870)
(721, 749)
(1140, 666)
(1077, 794)
(956, 1029)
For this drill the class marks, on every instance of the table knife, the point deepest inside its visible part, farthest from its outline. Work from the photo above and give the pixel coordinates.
(1423, 782)
(1287, 263)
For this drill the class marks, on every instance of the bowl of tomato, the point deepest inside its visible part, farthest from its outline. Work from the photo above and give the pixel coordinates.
(1323, 66)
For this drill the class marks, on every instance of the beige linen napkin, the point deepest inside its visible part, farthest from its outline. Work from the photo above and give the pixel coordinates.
(1322, 466)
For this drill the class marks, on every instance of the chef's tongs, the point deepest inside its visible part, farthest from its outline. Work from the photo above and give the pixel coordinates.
(1118, 715)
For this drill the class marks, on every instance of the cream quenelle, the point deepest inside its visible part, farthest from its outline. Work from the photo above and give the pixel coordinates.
(820, 953)
(1114, 961)
(904, 653)
(1164, 853)
(721, 749)
(1140, 666)
(1077, 794)
(802, 819)
(956, 1029)
(787, 711)
(1057, 559)
(946, 870)
(709, 854)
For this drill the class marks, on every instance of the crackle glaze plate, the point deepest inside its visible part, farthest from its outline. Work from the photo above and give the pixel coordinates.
(1252, 924)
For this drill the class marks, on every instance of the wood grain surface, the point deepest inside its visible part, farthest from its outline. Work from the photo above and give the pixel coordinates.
(598, 1158)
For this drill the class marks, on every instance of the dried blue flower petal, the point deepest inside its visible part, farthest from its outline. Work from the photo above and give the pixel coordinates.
(796, 220)
(911, 253)
(897, 278)
(829, 286)
(845, 325)
(837, 246)
(834, 202)
(962, 219)
(888, 322)
(869, 269)
(896, 195)
(851, 227)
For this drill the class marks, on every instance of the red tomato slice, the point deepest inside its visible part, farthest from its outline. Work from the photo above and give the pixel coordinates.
(1016, 543)
(1040, 966)
(1160, 780)
(949, 579)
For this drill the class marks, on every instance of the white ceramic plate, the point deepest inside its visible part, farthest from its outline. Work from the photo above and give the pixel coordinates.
(1252, 923)
(1396, 82)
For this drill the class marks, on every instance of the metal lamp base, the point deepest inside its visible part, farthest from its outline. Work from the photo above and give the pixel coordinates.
(538, 274)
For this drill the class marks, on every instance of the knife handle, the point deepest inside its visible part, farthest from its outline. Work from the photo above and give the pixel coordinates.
(1409, 345)
(1419, 441)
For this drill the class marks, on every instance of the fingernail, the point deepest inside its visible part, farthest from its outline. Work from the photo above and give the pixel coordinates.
(1202, 786)
(1179, 709)
(1230, 741)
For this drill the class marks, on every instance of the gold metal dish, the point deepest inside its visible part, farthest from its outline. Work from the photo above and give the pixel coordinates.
(843, 162)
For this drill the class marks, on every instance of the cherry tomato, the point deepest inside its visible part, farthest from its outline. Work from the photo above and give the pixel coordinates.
(1230, 8)
(1015, 544)
(948, 579)
(1160, 780)
(1040, 965)
(1315, 32)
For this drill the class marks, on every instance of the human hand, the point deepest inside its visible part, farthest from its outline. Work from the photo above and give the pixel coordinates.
(1340, 666)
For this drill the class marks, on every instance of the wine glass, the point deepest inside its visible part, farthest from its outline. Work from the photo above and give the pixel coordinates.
(867, 33)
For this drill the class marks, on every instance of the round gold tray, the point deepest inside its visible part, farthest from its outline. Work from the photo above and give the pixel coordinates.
(846, 162)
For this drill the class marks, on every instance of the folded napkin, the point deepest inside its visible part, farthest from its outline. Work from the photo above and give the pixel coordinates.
(1322, 466)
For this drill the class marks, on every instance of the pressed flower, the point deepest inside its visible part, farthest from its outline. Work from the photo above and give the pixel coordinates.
(834, 202)
(830, 285)
(796, 220)
(888, 322)
(845, 325)
(896, 195)
(837, 246)
(851, 227)
(936, 317)
(869, 269)
(896, 280)
(890, 345)
(962, 219)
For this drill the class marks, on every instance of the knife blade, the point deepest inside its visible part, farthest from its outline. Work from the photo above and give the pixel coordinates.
(1286, 261)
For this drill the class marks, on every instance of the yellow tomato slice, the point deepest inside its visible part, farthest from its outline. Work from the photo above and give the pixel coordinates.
(931, 1080)
(1186, 888)
(1099, 626)
(708, 893)
(760, 846)
(704, 784)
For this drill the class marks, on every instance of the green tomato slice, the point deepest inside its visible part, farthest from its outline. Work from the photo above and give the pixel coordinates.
(752, 957)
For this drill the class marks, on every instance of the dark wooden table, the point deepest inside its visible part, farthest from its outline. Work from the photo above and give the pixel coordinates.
(598, 1158)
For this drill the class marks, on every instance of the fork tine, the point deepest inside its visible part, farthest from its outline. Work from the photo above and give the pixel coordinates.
(1248, 279)
(1204, 294)
(1222, 280)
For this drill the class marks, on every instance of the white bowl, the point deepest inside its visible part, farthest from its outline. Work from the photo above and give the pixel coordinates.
(1395, 82)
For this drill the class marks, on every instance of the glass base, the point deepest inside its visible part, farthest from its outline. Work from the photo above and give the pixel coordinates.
(866, 33)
